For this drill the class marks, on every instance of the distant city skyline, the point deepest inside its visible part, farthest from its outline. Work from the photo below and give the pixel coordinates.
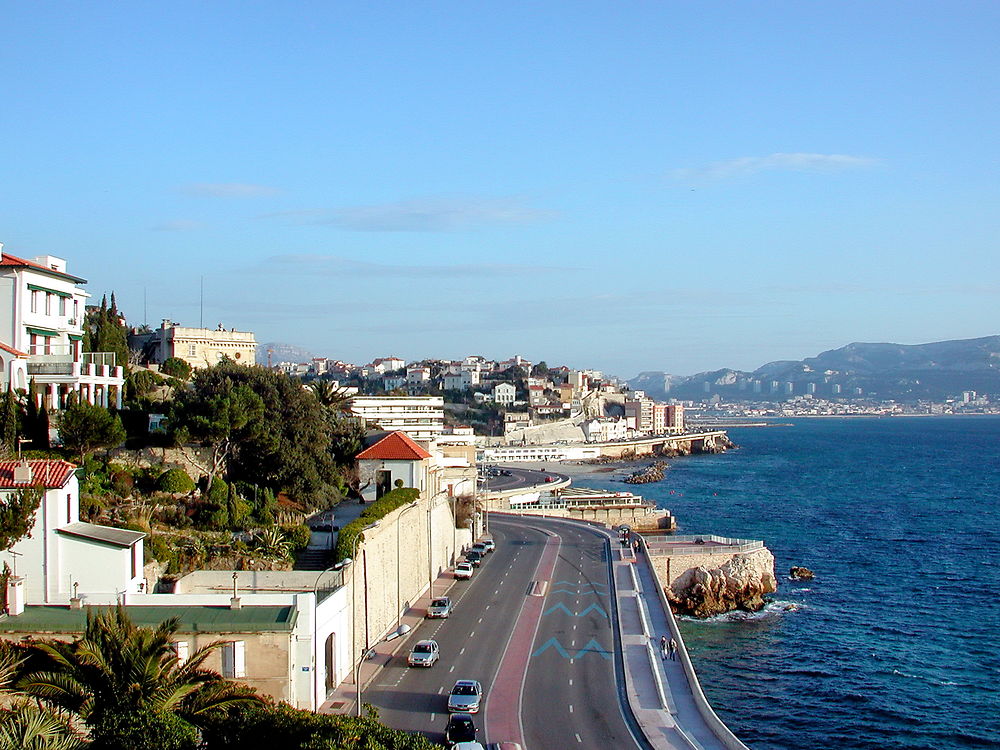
(624, 187)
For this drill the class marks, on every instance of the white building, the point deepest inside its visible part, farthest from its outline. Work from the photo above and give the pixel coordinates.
(461, 381)
(420, 417)
(504, 393)
(387, 364)
(64, 557)
(605, 429)
(41, 335)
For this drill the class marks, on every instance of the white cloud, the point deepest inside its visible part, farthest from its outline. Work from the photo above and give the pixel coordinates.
(798, 162)
(436, 214)
(229, 189)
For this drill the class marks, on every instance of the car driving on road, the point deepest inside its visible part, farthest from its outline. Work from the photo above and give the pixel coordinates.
(440, 607)
(461, 728)
(465, 696)
(424, 654)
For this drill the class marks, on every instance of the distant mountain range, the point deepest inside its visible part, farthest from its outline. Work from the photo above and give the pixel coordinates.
(935, 371)
(281, 353)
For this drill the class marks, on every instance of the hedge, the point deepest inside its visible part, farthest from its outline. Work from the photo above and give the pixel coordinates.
(351, 534)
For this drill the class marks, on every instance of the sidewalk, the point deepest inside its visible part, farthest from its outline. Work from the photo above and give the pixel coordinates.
(341, 700)
(657, 688)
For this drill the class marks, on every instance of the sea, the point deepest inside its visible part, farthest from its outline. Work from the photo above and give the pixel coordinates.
(896, 642)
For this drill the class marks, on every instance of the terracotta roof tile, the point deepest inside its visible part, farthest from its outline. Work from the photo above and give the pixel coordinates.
(13, 261)
(396, 446)
(11, 350)
(46, 472)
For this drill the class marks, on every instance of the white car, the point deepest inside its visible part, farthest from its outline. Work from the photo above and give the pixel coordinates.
(463, 570)
(490, 545)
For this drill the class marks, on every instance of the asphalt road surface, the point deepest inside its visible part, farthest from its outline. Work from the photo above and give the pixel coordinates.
(520, 479)
(571, 690)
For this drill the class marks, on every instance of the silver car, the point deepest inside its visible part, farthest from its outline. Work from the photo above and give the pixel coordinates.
(440, 607)
(424, 654)
(465, 696)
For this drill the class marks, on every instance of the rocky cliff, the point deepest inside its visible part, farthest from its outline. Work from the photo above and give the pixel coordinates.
(739, 583)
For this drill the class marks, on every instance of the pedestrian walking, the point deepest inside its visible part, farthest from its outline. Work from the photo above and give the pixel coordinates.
(663, 646)
(673, 650)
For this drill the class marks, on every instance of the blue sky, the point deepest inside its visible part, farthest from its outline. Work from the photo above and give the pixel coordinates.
(627, 186)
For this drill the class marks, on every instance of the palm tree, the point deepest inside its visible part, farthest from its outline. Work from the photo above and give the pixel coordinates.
(26, 726)
(128, 686)
(331, 396)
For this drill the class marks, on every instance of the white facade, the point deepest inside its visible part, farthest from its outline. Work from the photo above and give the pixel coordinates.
(605, 430)
(420, 417)
(461, 381)
(41, 317)
(64, 556)
(504, 393)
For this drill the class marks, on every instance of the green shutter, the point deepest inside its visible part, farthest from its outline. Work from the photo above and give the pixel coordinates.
(36, 288)
(74, 337)
(42, 332)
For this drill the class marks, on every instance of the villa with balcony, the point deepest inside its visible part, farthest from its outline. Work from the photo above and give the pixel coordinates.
(41, 336)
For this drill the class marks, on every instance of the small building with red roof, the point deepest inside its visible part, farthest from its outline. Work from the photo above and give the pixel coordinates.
(63, 558)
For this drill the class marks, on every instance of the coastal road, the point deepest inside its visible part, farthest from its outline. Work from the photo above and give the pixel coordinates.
(521, 479)
(568, 681)
(472, 640)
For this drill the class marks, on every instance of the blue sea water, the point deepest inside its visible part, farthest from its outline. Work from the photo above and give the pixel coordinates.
(896, 643)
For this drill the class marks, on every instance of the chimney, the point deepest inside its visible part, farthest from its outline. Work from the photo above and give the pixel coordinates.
(15, 595)
(76, 602)
(234, 602)
(22, 473)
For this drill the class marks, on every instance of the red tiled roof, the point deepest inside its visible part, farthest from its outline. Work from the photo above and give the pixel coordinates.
(12, 260)
(46, 472)
(396, 446)
(12, 350)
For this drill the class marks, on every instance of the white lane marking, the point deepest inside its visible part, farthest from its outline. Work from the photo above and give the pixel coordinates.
(578, 739)
(480, 621)
(570, 680)
(571, 708)
(440, 692)
(472, 634)
(451, 669)
(461, 652)
(574, 627)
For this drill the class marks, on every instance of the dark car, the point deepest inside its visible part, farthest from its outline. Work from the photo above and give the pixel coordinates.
(460, 728)
(474, 558)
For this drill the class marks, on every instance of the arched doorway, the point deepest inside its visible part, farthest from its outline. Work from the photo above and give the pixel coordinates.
(331, 662)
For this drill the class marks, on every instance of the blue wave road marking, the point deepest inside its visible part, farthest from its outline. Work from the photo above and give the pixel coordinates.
(565, 609)
(592, 647)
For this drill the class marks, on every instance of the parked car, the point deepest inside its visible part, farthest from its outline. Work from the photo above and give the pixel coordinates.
(490, 545)
(424, 654)
(465, 696)
(474, 558)
(480, 548)
(460, 728)
(440, 607)
(463, 570)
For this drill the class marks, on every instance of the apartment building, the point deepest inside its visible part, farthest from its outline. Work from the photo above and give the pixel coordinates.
(420, 417)
(41, 335)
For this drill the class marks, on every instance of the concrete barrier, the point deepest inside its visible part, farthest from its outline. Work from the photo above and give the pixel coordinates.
(718, 727)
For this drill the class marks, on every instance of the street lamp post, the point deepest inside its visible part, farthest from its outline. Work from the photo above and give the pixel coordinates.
(399, 602)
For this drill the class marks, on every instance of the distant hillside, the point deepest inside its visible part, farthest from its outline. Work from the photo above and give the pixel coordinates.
(934, 371)
(281, 353)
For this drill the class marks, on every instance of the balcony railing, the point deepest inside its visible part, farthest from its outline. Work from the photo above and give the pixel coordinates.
(56, 362)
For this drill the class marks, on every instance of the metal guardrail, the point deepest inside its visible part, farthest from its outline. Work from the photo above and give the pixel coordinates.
(709, 544)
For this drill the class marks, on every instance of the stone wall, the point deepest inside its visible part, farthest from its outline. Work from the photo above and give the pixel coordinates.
(392, 569)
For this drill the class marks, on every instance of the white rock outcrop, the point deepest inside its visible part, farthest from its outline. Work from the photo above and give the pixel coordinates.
(740, 583)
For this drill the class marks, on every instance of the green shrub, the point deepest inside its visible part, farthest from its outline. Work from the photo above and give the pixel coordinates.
(142, 730)
(351, 535)
(160, 549)
(122, 482)
(175, 480)
(297, 537)
(176, 367)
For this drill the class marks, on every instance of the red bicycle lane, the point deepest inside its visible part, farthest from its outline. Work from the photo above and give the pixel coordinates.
(503, 706)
